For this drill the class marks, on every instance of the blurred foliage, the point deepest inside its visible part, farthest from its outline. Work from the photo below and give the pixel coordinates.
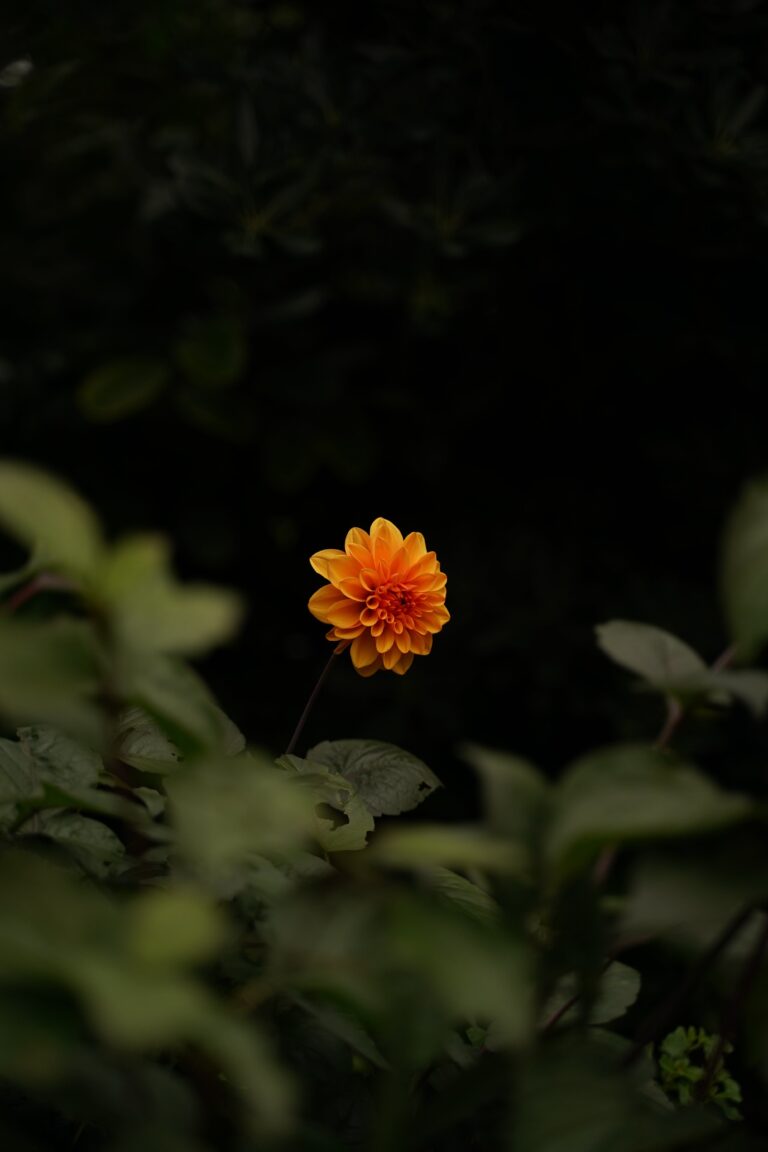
(205, 948)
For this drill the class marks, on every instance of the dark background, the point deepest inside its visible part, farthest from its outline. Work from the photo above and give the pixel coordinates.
(493, 270)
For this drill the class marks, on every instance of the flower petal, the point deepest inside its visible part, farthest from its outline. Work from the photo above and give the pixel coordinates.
(403, 640)
(421, 645)
(369, 669)
(386, 539)
(352, 588)
(323, 600)
(385, 640)
(415, 547)
(321, 559)
(363, 650)
(344, 614)
(390, 658)
(403, 664)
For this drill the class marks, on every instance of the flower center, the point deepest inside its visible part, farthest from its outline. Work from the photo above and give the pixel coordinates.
(393, 602)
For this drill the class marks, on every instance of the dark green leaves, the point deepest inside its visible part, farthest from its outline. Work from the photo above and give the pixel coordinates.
(386, 778)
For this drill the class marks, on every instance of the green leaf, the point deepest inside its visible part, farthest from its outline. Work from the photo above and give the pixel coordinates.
(176, 697)
(344, 1026)
(342, 818)
(617, 991)
(171, 927)
(18, 778)
(229, 813)
(121, 388)
(744, 570)
(657, 656)
(628, 793)
(449, 845)
(386, 778)
(456, 891)
(150, 611)
(516, 796)
(49, 518)
(213, 351)
(60, 759)
(50, 672)
(95, 847)
(142, 743)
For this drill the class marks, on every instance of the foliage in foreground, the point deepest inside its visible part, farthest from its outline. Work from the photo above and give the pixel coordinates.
(204, 948)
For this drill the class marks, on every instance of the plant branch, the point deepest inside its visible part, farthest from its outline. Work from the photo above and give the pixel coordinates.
(661, 1016)
(309, 704)
(734, 1008)
(43, 582)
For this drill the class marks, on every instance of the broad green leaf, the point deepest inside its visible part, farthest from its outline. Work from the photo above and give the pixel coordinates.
(515, 794)
(95, 846)
(657, 656)
(150, 611)
(386, 778)
(455, 890)
(121, 388)
(628, 793)
(177, 698)
(229, 813)
(52, 520)
(342, 818)
(50, 673)
(18, 778)
(60, 759)
(744, 570)
(747, 685)
(617, 991)
(448, 845)
(142, 743)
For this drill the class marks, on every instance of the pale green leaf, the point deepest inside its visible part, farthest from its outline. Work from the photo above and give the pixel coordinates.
(95, 846)
(149, 610)
(448, 845)
(49, 518)
(656, 655)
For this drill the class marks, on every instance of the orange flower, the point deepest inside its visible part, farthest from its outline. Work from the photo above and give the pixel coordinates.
(385, 597)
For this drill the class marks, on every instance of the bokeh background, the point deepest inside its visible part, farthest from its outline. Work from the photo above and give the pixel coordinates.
(493, 270)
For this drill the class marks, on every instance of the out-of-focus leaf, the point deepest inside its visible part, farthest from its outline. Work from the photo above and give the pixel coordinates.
(744, 570)
(449, 845)
(628, 793)
(229, 813)
(50, 673)
(143, 744)
(515, 794)
(52, 520)
(178, 700)
(386, 778)
(571, 1099)
(656, 655)
(59, 758)
(169, 927)
(455, 890)
(150, 611)
(121, 388)
(617, 991)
